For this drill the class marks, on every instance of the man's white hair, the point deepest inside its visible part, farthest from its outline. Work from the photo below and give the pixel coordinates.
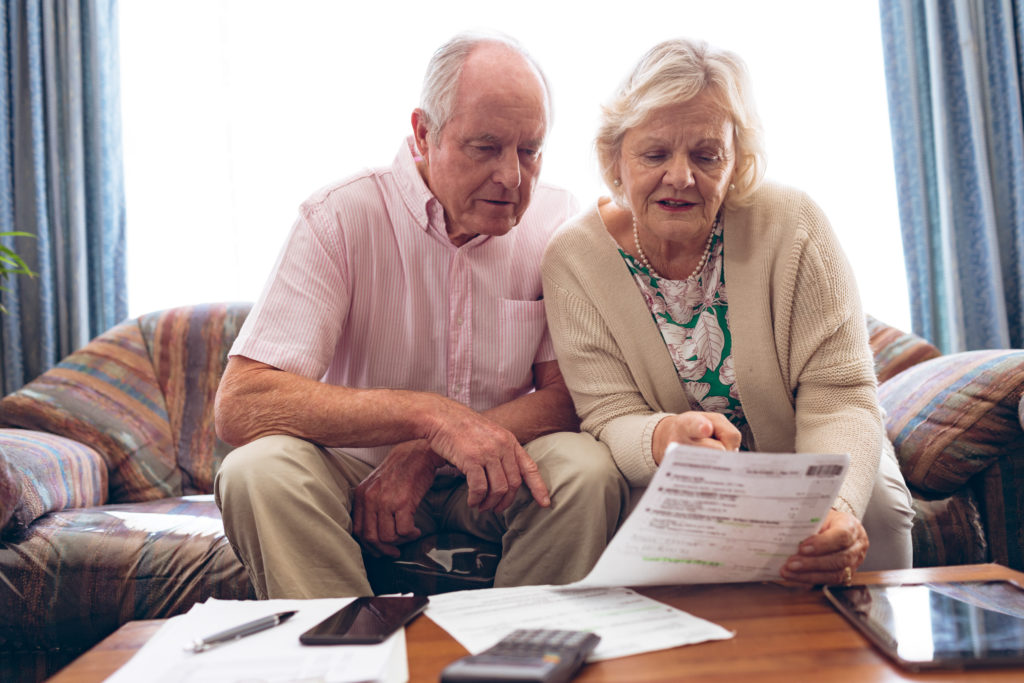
(441, 82)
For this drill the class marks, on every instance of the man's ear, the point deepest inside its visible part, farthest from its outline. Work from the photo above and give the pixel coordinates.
(420, 129)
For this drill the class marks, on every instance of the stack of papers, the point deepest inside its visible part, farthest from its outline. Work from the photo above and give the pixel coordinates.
(268, 656)
(627, 622)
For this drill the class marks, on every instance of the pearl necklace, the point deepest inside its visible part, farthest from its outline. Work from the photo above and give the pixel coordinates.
(647, 264)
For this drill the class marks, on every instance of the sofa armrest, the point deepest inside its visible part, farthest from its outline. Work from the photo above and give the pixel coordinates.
(41, 472)
(952, 417)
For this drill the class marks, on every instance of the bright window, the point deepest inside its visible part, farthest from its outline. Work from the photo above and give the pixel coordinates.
(236, 110)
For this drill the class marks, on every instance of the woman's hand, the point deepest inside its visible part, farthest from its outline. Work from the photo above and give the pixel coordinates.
(695, 428)
(826, 556)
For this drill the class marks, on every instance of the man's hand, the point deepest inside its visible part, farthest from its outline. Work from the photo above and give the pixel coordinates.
(384, 504)
(695, 428)
(824, 557)
(489, 455)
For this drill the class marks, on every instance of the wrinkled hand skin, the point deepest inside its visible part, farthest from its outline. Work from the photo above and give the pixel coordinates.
(695, 428)
(384, 504)
(822, 558)
(490, 456)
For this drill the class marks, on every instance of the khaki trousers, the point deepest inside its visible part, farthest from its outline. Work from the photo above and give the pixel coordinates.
(286, 505)
(888, 519)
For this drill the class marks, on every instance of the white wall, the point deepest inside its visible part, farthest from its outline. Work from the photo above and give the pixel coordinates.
(236, 110)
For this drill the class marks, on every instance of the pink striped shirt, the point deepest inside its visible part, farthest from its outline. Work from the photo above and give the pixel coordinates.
(368, 291)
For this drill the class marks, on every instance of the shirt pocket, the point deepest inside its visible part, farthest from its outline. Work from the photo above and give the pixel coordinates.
(520, 327)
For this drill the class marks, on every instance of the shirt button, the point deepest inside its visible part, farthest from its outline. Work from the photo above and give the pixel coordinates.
(458, 321)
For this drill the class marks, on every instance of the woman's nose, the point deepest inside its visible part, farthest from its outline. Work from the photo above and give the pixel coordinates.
(679, 173)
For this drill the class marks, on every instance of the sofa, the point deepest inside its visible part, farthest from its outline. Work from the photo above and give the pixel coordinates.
(107, 463)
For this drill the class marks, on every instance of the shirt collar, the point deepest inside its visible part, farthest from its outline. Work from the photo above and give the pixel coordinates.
(418, 198)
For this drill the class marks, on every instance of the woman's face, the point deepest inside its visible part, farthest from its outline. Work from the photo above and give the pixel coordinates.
(676, 167)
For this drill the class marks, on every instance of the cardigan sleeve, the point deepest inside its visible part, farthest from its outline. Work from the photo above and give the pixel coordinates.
(830, 364)
(608, 400)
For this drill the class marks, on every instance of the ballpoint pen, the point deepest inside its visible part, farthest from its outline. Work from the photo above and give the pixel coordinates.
(237, 632)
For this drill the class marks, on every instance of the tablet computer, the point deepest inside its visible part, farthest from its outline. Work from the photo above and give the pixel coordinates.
(954, 625)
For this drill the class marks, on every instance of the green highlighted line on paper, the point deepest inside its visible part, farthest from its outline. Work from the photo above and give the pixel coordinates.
(683, 560)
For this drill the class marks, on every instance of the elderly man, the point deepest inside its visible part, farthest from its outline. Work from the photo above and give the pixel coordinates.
(396, 376)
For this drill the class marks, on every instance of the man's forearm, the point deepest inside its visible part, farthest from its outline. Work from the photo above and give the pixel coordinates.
(256, 400)
(533, 415)
(547, 410)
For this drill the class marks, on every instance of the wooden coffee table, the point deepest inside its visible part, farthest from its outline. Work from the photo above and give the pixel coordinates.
(783, 633)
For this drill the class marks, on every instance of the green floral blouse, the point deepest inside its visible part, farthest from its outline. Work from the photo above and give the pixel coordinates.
(693, 317)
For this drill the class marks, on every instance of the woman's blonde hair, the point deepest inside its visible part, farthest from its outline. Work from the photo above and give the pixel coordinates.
(674, 72)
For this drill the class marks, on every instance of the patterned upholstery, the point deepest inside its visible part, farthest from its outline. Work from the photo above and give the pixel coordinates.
(949, 531)
(956, 423)
(895, 350)
(127, 419)
(951, 417)
(64, 474)
(189, 348)
(105, 396)
(112, 564)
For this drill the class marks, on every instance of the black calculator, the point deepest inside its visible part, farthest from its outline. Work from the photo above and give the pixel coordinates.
(528, 656)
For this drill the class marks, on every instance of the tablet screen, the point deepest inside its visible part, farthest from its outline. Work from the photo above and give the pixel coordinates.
(939, 625)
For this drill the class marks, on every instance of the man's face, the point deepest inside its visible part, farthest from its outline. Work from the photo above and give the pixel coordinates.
(485, 163)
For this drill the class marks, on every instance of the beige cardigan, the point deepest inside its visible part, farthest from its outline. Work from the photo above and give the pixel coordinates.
(804, 370)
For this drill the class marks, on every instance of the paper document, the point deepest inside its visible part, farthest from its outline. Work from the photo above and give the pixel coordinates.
(718, 517)
(268, 656)
(627, 622)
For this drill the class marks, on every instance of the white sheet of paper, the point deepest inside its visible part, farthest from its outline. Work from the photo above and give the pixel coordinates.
(627, 622)
(717, 517)
(268, 656)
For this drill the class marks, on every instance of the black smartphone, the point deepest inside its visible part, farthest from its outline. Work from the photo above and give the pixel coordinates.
(365, 621)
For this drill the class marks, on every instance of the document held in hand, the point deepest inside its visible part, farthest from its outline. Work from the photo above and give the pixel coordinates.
(713, 516)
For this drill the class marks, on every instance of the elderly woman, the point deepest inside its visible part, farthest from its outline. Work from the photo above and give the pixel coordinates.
(701, 304)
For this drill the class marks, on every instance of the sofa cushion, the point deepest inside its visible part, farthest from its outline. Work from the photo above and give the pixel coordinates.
(952, 416)
(949, 531)
(51, 473)
(895, 350)
(106, 396)
(10, 491)
(189, 347)
(81, 573)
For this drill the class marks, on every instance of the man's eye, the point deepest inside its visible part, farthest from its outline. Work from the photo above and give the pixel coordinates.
(654, 156)
(532, 153)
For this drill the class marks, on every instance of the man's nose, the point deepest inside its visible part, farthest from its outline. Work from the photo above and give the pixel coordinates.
(508, 172)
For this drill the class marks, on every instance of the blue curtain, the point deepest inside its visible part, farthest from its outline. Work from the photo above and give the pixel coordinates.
(954, 73)
(61, 179)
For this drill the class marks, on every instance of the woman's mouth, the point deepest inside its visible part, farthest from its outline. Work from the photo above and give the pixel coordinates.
(674, 203)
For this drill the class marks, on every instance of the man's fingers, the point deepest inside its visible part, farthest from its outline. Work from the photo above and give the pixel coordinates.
(476, 483)
(497, 485)
(405, 524)
(357, 516)
(531, 477)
